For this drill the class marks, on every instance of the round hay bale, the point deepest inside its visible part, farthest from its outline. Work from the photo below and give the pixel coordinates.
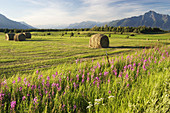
(9, 36)
(19, 37)
(27, 35)
(99, 41)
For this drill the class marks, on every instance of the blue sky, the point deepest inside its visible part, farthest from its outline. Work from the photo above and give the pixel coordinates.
(59, 12)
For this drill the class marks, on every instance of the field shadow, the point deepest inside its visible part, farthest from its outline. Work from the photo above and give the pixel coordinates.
(131, 47)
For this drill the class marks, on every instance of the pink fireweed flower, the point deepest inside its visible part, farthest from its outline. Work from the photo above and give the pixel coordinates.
(48, 84)
(37, 72)
(53, 76)
(56, 73)
(144, 67)
(120, 75)
(1, 96)
(13, 104)
(53, 84)
(92, 77)
(109, 91)
(88, 73)
(59, 89)
(67, 78)
(48, 78)
(88, 78)
(145, 60)
(35, 100)
(28, 95)
(20, 89)
(19, 79)
(134, 64)
(108, 80)
(97, 78)
(126, 77)
(57, 85)
(100, 74)
(77, 76)
(59, 79)
(127, 85)
(77, 61)
(115, 72)
(74, 85)
(112, 66)
(74, 107)
(106, 73)
(98, 84)
(23, 98)
(82, 81)
(25, 79)
(94, 82)
(83, 76)
(13, 82)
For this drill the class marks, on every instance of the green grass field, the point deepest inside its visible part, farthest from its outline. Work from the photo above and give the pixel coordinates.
(44, 52)
(54, 74)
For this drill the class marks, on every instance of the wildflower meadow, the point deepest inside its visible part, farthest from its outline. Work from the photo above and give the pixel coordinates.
(136, 82)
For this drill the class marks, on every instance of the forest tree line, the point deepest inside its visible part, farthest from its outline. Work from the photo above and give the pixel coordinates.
(140, 29)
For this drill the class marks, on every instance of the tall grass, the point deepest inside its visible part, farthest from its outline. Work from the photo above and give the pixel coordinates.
(137, 82)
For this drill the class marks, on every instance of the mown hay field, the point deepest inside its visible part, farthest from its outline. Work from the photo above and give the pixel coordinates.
(44, 50)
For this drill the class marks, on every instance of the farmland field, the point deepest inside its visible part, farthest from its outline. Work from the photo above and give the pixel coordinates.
(44, 52)
(61, 74)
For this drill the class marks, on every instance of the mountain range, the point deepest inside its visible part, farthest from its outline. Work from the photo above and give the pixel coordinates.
(149, 19)
(10, 24)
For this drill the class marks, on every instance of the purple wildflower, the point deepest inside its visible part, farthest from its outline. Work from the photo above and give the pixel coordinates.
(83, 76)
(82, 81)
(20, 89)
(13, 104)
(100, 73)
(88, 79)
(120, 75)
(48, 78)
(56, 73)
(77, 77)
(106, 73)
(59, 89)
(97, 78)
(19, 79)
(37, 72)
(127, 85)
(35, 100)
(13, 82)
(108, 80)
(23, 98)
(53, 76)
(53, 84)
(126, 77)
(74, 107)
(109, 91)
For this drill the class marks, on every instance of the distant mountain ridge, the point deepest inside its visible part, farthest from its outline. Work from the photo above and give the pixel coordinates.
(149, 19)
(6, 23)
(86, 24)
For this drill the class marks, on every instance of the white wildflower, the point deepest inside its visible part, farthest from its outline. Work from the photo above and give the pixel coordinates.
(111, 96)
(89, 106)
(96, 103)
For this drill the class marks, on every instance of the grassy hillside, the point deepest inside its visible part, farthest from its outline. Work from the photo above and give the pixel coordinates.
(46, 51)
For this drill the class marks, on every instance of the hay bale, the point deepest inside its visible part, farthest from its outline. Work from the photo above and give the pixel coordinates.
(27, 35)
(99, 41)
(9, 36)
(19, 37)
